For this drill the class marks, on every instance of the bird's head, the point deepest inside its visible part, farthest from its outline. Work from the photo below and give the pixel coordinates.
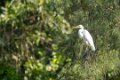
(79, 27)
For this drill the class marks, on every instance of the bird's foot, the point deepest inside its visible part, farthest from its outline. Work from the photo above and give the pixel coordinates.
(86, 61)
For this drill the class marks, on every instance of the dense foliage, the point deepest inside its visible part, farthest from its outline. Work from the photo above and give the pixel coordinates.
(37, 41)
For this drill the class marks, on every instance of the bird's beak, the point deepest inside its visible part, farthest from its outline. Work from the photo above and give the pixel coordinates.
(76, 27)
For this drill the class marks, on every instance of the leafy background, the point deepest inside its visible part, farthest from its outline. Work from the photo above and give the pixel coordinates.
(37, 41)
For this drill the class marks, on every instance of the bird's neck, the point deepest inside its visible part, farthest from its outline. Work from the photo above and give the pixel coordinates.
(82, 29)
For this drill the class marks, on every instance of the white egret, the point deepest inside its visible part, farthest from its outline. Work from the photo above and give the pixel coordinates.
(87, 38)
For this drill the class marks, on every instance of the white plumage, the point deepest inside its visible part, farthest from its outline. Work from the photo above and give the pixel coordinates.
(87, 38)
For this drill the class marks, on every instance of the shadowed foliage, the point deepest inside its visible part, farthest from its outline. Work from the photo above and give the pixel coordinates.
(37, 40)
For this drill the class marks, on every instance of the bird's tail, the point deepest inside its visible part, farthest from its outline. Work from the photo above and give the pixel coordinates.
(93, 48)
(93, 52)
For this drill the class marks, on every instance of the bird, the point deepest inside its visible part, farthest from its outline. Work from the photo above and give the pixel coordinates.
(87, 39)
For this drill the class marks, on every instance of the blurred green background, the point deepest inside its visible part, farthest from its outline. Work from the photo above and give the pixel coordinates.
(37, 41)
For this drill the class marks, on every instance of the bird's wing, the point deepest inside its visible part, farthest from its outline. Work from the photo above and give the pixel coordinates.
(89, 39)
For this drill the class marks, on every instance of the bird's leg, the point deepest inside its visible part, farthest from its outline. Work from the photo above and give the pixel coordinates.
(86, 54)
